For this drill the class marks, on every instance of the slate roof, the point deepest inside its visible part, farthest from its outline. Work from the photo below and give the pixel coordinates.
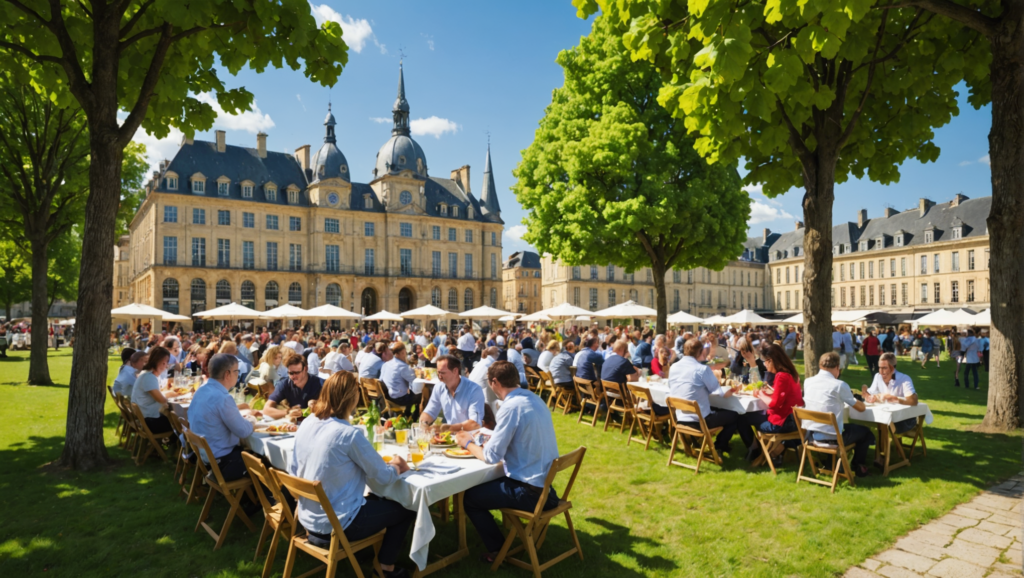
(756, 249)
(524, 259)
(489, 193)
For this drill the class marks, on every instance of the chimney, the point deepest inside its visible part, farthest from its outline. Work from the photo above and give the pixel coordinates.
(862, 218)
(302, 155)
(261, 145)
(185, 140)
(461, 176)
(890, 212)
(767, 233)
(221, 144)
(798, 225)
(923, 205)
(957, 199)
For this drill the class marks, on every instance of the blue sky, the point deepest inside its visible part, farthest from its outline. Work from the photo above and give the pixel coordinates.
(478, 67)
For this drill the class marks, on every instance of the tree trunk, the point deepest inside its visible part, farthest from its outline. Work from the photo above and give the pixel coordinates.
(38, 368)
(660, 295)
(83, 443)
(819, 192)
(1006, 225)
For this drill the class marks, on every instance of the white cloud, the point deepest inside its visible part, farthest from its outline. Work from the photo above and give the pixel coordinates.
(754, 189)
(985, 160)
(432, 126)
(252, 121)
(966, 163)
(299, 97)
(354, 31)
(380, 119)
(430, 41)
(159, 149)
(762, 213)
(515, 232)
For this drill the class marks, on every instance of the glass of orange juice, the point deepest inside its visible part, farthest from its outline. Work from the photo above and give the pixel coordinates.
(401, 436)
(415, 454)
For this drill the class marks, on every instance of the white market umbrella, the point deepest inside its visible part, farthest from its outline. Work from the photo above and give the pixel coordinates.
(851, 316)
(744, 317)
(944, 317)
(174, 317)
(286, 311)
(230, 312)
(538, 316)
(138, 311)
(983, 318)
(425, 312)
(329, 311)
(683, 318)
(628, 310)
(565, 311)
(485, 312)
(583, 318)
(66, 322)
(714, 320)
(507, 318)
(383, 316)
(797, 319)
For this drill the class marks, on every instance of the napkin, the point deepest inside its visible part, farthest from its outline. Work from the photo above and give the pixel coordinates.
(438, 468)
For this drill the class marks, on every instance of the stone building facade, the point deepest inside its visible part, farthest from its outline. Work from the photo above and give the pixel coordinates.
(521, 282)
(224, 223)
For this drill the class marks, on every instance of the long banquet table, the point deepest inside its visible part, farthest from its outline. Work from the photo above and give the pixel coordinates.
(738, 403)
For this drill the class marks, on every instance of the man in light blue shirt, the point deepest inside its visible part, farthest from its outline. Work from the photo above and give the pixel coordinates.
(515, 357)
(971, 346)
(398, 377)
(984, 345)
(561, 364)
(590, 362)
(370, 364)
(789, 342)
(691, 380)
(524, 439)
(125, 380)
(214, 415)
(458, 399)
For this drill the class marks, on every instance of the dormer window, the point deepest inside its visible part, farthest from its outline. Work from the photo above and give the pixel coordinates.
(958, 232)
(223, 186)
(401, 160)
(271, 193)
(846, 248)
(367, 202)
(443, 209)
(778, 255)
(880, 243)
(171, 182)
(293, 197)
(198, 186)
(344, 169)
(455, 211)
(796, 251)
(898, 239)
(837, 249)
(863, 246)
(929, 236)
(247, 187)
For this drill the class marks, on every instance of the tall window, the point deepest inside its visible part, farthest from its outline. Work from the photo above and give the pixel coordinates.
(453, 265)
(248, 294)
(593, 272)
(675, 300)
(970, 291)
(469, 265)
(970, 260)
(903, 293)
(295, 294)
(842, 273)
(954, 291)
(881, 295)
(405, 261)
(332, 226)
(294, 223)
(272, 222)
(223, 292)
(938, 293)
(924, 264)
(198, 186)
(871, 295)
(198, 252)
(368, 262)
(842, 297)
(576, 296)
(435, 264)
(170, 294)
(924, 292)
(853, 272)
(892, 294)
(271, 293)
(246, 191)
(903, 267)
(332, 258)
(224, 218)
(170, 250)
(248, 255)
(494, 265)
(198, 216)
(892, 267)
(467, 299)
(469, 235)
(593, 299)
(170, 214)
(248, 220)
(333, 294)
(611, 272)
(787, 300)
(197, 295)
(576, 273)
(452, 234)
(294, 257)
(862, 270)
(271, 256)
(453, 300)
(955, 265)
(494, 239)
(494, 292)
(367, 229)
(172, 183)
(871, 269)
(435, 297)
(223, 252)
(222, 189)
(435, 233)
(863, 293)
(611, 297)
(405, 229)
(787, 274)
(293, 197)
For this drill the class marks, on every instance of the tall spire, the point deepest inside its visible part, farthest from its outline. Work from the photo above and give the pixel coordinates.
(400, 111)
(489, 194)
(329, 123)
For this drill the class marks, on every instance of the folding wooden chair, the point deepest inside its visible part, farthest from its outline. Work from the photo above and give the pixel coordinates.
(619, 402)
(649, 423)
(375, 392)
(565, 398)
(128, 432)
(340, 548)
(532, 380)
(120, 421)
(278, 518)
(547, 385)
(915, 434)
(684, 432)
(839, 454)
(232, 491)
(182, 465)
(195, 488)
(770, 443)
(589, 394)
(533, 534)
(149, 442)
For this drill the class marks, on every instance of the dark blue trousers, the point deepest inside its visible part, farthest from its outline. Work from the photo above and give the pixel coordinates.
(496, 494)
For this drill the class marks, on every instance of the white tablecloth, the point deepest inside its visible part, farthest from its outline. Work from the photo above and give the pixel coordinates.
(888, 413)
(736, 403)
(418, 383)
(416, 491)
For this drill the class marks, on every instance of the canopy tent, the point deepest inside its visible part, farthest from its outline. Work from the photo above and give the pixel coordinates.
(484, 312)
(837, 317)
(714, 320)
(538, 316)
(230, 312)
(139, 311)
(745, 317)
(583, 318)
(565, 311)
(67, 322)
(328, 311)
(628, 310)
(945, 317)
(683, 318)
(286, 311)
(427, 311)
(797, 319)
(983, 318)
(507, 318)
(383, 316)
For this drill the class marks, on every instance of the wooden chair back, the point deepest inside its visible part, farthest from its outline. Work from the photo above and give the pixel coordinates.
(588, 394)
(202, 448)
(261, 475)
(547, 383)
(149, 441)
(532, 379)
(619, 401)
(574, 460)
(838, 451)
(683, 430)
(314, 491)
(644, 417)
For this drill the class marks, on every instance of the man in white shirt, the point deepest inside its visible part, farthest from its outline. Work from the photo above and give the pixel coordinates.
(342, 362)
(467, 346)
(691, 380)
(891, 386)
(789, 343)
(826, 393)
(971, 346)
(294, 344)
(479, 375)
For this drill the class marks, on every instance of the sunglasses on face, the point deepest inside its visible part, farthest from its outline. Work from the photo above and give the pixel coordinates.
(299, 372)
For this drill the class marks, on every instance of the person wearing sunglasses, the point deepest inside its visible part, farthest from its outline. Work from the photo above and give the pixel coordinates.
(298, 388)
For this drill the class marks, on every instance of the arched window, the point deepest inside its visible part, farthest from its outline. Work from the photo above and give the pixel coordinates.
(405, 299)
(270, 294)
(435, 297)
(494, 297)
(295, 294)
(197, 295)
(611, 297)
(334, 294)
(170, 290)
(223, 292)
(453, 300)
(467, 300)
(248, 294)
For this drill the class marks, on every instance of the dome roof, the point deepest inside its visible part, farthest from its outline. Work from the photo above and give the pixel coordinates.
(400, 153)
(329, 163)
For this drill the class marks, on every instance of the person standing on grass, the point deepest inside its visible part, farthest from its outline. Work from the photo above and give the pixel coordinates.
(971, 347)
(789, 342)
(825, 392)
(984, 348)
(927, 348)
(872, 351)
(524, 439)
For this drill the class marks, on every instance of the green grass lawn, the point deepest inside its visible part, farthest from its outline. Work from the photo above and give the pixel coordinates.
(634, 515)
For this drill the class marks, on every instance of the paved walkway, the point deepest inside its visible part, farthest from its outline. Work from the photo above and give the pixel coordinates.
(979, 539)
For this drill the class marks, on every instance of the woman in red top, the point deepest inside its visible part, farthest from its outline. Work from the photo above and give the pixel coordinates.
(781, 397)
(872, 351)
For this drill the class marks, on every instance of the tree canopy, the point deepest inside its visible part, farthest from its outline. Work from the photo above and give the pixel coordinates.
(612, 177)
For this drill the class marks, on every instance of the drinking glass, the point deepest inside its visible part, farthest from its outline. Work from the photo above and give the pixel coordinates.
(378, 441)
(401, 435)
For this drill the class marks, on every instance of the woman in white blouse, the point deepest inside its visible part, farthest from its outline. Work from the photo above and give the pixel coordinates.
(332, 451)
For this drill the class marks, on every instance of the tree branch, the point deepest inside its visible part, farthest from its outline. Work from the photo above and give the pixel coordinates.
(968, 17)
(84, 8)
(131, 124)
(135, 17)
(40, 58)
(77, 81)
(795, 139)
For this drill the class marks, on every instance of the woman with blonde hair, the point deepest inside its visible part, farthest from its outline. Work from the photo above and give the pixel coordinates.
(269, 365)
(330, 450)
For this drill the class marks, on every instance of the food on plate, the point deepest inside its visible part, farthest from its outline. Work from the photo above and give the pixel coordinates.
(715, 361)
(443, 439)
(281, 427)
(457, 452)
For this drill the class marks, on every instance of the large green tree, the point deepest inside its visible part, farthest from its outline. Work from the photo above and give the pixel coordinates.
(15, 276)
(1001, 24)
(808, 93)
(133, 177)
(148, 58)
(612, 177)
